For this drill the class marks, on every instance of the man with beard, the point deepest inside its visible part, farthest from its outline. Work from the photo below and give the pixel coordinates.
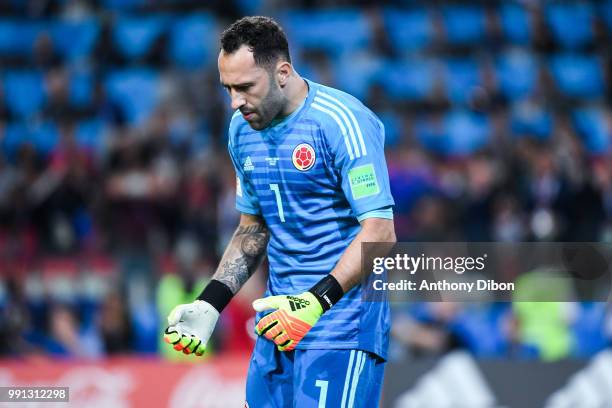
(311, 186)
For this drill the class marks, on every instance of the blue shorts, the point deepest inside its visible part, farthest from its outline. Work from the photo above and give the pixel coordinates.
(313, 378)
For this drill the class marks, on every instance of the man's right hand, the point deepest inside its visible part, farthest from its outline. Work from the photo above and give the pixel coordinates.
(190, 327)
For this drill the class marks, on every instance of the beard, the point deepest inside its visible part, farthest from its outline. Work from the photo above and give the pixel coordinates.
(270, 108)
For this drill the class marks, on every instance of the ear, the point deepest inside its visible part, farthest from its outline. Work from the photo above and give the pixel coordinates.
(283, 72)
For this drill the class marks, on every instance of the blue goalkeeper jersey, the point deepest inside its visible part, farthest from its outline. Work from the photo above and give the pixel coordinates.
(312, 178)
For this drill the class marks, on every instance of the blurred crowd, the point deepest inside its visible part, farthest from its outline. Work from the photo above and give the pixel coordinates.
(116, 193)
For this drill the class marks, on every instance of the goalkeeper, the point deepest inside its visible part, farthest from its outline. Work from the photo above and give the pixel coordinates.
(311, 186)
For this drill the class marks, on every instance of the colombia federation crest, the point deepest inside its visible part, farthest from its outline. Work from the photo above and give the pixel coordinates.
(303, 156)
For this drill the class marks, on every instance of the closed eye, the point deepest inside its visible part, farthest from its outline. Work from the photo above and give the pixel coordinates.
(238, 88)
(243, 88)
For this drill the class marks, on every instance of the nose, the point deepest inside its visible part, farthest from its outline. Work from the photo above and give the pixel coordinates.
(238, 100)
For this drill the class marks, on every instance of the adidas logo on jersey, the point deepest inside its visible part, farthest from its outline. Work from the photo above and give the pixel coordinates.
(297, 303)
(248, 164)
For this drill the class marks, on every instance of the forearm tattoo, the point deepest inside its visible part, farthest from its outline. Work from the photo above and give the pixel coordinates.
(242, 256)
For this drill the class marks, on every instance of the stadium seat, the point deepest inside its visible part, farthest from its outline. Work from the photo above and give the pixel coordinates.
(578, 76)
(408, 80)
(75, 39)
(475, 320)
(355, 74)
(529, 119)
(24, 92)
(571, 24)
(517, 72)
(190, 54)
(134, 37)
(145, 326)
(310, 70)
(461, 76)
(589, 329)
(89, 133)
(467, 133)
(515, 23)
(15, 134)
(410, 30)
(464, 25)
(135, 91)
(429, 133)
(81, 87)
(17, 37)
(335, 32)
(458, 134)
(420, 311)
(9, 37)
(594, 129)
(43, 136)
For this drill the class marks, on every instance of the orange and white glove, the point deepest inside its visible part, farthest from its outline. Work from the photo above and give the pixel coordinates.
(293, 317)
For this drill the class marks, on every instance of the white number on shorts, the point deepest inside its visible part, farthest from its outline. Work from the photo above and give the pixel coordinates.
(323, 394)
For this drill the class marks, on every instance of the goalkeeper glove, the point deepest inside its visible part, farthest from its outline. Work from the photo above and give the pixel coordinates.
(295, 315)
(190, 325)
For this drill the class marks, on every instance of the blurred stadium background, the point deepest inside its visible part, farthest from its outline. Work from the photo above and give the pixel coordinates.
(116, 192)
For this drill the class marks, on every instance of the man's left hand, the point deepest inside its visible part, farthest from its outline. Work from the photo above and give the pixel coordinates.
(293, 317)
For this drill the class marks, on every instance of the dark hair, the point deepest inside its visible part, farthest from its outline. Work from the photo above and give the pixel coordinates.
(264, 37)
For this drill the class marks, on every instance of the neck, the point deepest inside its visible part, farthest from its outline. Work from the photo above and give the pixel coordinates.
(296, 91)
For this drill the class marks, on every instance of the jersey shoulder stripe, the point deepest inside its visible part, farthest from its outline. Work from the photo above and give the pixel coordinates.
(335, 117)
(349, 112)
(348, 125)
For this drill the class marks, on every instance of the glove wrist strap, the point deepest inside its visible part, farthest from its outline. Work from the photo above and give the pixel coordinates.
(216, 293)
(327, 291)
